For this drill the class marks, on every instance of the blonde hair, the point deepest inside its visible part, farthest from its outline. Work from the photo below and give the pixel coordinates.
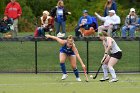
(103, 33)
(60, 3)
(108, 4)
(70, 39)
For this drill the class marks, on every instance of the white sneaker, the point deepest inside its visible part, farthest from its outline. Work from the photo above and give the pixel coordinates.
(104, 79)
(79, 30)
(78, 79)
(60, 35)
(64, 76)
(51, 29)
(113, 80)
(63, 34)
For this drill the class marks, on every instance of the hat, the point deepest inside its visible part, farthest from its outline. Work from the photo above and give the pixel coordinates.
(85, 11)
(132, 10)
(46, 12)
(112, 11)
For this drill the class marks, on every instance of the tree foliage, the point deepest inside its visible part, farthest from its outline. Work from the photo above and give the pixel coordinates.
(32, 10)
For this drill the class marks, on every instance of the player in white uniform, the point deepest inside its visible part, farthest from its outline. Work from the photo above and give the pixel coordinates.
(112, 54)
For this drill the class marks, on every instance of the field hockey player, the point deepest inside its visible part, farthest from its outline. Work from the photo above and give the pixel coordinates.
(112, 54)
(69, 50)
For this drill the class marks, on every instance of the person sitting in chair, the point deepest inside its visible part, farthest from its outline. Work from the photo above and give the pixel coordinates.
(110, 21)
(47, 25)
(84, 22)
(131, 22)
(93, 27)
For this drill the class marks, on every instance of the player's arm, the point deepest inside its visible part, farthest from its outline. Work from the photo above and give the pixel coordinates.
(62, 42)
(78, 56)
(109, 42)
(105, 54)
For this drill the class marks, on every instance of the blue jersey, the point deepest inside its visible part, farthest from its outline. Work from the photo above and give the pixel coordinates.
(66, 50)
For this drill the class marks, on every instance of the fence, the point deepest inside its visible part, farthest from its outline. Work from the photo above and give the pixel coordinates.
(38, 55)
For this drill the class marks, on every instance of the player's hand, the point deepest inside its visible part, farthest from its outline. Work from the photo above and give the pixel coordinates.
(83, 66)
(96, 13)
(105, 55)
(47, 36)
(69, 13)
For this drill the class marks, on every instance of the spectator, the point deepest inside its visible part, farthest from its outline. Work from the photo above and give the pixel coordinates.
(131, 22)
(110, 5)
(84, 22)
(110, 21)
(6, 25)
(13, 10)
(59, 13)
(47, 25)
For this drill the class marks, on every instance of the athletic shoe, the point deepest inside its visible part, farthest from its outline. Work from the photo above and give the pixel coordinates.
(51, 29)
(78, 79)
(104, 79)
(59, 34)
(64, 76)
(113, 80)
(63, 34)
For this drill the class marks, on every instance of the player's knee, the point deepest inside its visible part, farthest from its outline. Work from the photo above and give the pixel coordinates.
(110, 67)
(104, 66)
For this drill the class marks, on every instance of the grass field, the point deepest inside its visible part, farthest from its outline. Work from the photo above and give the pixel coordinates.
(52, 83)
(19, 57)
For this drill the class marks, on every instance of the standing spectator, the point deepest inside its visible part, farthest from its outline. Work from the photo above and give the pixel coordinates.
(13, 10)
(84, 22)
(130, 24)
(59, 13)
(110, 5)
(110, 22)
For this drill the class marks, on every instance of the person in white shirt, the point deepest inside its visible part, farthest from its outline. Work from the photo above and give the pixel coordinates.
(109, 21)
(111, 56)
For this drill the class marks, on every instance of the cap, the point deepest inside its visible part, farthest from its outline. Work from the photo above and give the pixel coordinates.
(112, 11)
(132, 10)
(46, 12)
(85, 11)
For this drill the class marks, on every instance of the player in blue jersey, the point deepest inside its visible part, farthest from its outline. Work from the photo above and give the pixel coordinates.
(69, 50)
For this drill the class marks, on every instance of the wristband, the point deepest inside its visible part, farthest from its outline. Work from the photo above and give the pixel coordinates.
(105, 53)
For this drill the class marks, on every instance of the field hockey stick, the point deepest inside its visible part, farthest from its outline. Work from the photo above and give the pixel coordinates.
(99, 69)
(85, 73)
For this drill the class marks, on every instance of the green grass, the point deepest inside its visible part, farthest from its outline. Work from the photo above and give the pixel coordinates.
(52, 83)
(19, 56)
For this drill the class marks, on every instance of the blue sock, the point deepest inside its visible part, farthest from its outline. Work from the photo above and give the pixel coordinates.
(63, 68)
(76, 73)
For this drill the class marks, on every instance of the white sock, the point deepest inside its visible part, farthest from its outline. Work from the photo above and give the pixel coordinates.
(112, 72)
(104, 67)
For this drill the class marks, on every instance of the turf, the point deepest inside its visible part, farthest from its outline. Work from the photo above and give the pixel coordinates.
(19, 57)
(52, 83)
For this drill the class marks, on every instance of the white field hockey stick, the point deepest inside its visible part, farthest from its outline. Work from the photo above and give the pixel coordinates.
(85, 73)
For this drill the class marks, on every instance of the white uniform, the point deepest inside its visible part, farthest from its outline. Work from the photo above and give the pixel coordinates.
(114, 48)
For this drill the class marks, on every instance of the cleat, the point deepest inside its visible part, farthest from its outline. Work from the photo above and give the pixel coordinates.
(113, 80)
(64, 76)
(104, 79)
(78, 79)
